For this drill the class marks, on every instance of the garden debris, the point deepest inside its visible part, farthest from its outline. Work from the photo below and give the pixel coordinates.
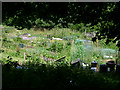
(94, 66)
(26, 36)
(76, 61)
(53, 53)
(21, 45)
(51, 59)
(84, 65)
(79, 63)
(61, 59)
(56, 38)
(106, 57)
(110, 66)
(48, 59)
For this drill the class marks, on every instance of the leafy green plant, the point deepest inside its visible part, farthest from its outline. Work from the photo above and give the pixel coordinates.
(60, 32)
(57, 46)
(79, 27)
(77, 51)
(44, 24)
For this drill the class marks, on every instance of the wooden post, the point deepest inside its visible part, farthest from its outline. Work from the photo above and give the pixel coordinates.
(24, 57)
(63, 44)
(56, 33)
(97, 43)
(73, 42)
(92, 48)
(92, 43)
(116, 52)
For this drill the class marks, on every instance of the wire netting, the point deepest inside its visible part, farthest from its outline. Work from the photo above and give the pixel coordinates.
(85, 50)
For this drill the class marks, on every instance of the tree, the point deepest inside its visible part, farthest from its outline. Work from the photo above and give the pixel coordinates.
(104, 17)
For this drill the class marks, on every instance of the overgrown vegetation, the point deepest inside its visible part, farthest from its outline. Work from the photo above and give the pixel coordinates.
(61, 77)
(37, 57)
(49, 71)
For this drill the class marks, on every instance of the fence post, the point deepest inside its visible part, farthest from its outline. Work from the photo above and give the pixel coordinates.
(92, 48)
(73, 42)
(97, 43)
(116, 52)
(24, 57)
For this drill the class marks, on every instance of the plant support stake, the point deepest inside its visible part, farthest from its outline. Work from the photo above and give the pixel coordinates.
(24, 57)
(97, 43)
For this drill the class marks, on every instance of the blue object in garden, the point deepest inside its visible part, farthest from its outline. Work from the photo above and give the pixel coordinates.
(89, 41)
(21, 45)
(19, 67)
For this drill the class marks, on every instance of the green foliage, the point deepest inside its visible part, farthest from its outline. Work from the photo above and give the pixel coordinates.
(77, 51)
(53, 47)
(60, 32)
(43, 24)
(17, 39)
(57, 46)
(65, 77)
(79, 27)
(41, 42)
(101, 17)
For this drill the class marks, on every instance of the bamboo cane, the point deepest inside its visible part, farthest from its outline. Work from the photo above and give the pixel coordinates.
(24, 57)
(97, 43)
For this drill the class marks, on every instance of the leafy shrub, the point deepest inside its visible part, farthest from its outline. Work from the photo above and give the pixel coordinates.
(44, 24)
(18, 51)
(60, 33)
(53, 47)
(59, 47)
(56, 46)
(17, 39)
(78, 27)
(77, 51)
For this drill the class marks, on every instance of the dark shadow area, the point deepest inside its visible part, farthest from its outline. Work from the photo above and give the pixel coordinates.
(61, 76)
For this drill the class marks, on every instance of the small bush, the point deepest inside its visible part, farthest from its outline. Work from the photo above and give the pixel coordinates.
(56, 46)
(44, 24)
